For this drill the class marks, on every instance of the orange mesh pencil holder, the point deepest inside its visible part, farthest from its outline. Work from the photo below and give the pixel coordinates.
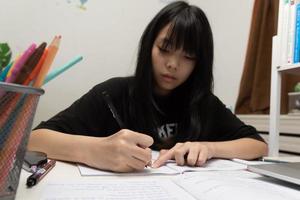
(17, 108)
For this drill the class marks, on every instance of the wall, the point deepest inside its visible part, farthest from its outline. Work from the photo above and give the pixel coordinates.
(106, 34)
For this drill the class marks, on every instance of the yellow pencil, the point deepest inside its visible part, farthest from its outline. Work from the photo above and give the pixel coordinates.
(14, 64)
(52, 50)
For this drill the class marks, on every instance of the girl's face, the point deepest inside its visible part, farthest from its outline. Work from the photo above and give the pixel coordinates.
(171, 67)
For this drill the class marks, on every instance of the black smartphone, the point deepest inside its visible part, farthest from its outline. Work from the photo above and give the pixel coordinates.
(34, 160)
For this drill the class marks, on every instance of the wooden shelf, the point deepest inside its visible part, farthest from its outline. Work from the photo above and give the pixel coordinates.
(289, 138)
(287, 144)
(290, 69)
(288, 123)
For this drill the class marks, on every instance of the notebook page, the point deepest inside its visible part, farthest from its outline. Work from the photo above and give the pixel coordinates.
(210, 165)
(235, 185)
(163, 170)
(145, 189)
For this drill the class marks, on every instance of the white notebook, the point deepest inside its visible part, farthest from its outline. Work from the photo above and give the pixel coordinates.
(170, 168)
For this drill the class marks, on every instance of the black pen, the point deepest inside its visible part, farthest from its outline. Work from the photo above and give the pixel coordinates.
(40, 173)
(112, 109)
(114, 112)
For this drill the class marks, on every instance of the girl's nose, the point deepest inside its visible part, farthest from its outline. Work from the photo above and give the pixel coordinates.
(173, 63)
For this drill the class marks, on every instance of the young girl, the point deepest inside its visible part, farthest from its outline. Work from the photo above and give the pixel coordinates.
(167, 105)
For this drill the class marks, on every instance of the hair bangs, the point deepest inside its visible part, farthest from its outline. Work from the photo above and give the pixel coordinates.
(183, 34)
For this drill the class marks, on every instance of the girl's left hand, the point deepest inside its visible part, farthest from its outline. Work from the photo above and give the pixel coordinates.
(188, 153)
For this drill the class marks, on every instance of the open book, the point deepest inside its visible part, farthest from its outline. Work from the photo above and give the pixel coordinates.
(191, 186)
(169, 168)
(235, 185)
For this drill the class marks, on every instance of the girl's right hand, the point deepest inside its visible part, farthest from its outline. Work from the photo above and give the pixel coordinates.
(124, 151)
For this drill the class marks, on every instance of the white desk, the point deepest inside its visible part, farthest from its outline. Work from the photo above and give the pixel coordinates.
(62, 170)
(69, 172)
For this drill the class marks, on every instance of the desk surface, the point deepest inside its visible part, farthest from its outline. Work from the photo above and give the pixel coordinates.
(62, 171)
(70, 172)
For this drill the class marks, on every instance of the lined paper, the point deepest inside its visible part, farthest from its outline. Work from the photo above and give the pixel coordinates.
(235, 185)
(168, 169)
(145, 189)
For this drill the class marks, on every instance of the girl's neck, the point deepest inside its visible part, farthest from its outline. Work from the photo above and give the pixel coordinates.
(162, 93)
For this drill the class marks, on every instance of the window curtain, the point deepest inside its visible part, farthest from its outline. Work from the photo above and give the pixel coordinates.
(254, 92)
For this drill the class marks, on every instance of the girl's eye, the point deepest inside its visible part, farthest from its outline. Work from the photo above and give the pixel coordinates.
(190, 57)
(164, 50)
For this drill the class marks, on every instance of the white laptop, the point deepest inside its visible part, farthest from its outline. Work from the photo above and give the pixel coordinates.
(284, 171)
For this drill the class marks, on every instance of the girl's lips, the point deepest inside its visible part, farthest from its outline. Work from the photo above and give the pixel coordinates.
(168, 77)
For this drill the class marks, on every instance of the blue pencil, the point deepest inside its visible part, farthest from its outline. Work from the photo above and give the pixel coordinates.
(57, 71)
(3, 75)
(5, 71)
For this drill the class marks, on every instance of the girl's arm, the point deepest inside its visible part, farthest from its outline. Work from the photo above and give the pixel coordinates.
(244, 148)
(122, 152)
(197, 153)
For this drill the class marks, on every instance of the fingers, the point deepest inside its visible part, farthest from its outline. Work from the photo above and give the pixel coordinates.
(190, 153)
(144, 155)
(164, 156)
(136, 164)
(140, 148)
(132, 150)
(196, 154)
(134, 160)
(180, 152)
(193, 156)
(202, 158)
(163, 151)
(129, 164)
(141, 140)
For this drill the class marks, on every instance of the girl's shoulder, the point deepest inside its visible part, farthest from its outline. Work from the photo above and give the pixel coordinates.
(212, 101)
(115, 82)
(114, 85)
(211, 98)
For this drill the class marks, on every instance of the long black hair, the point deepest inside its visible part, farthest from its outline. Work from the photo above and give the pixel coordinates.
(189, 30)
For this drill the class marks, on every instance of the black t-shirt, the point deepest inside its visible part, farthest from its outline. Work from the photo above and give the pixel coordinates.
(91, 116)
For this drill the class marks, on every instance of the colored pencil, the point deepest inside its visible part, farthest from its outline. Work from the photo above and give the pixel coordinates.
(31, 62)
(52, 50)
(19, 64)
(57, 71)
(36, 70)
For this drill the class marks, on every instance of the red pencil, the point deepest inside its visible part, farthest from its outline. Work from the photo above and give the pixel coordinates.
(31, 62)
(36, 70)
